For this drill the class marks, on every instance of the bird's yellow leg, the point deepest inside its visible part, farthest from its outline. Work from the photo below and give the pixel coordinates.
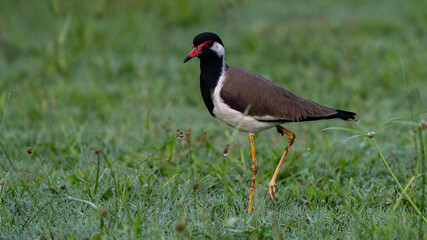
(254, 169)
(272, 184)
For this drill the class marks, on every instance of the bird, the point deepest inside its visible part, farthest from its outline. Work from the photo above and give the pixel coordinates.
(251, 103)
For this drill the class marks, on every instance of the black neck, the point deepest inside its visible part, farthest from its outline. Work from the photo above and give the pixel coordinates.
(210, 70)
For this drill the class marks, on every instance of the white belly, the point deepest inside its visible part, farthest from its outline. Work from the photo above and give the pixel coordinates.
(235, 118)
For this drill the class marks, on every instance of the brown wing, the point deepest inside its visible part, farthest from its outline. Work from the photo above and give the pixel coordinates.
(268, 101)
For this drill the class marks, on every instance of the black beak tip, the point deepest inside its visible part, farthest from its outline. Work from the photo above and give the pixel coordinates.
(187, 58)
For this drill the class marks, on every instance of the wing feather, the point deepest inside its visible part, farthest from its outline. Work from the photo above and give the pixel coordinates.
(268, 101)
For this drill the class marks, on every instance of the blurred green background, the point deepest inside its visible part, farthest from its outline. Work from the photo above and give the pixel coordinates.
(108, 75)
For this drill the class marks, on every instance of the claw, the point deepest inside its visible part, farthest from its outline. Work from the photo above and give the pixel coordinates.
(272, 192)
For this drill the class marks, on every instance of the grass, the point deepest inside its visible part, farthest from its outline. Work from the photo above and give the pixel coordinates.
(98, 89)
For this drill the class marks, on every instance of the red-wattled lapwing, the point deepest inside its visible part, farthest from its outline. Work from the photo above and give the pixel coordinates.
(251, 103)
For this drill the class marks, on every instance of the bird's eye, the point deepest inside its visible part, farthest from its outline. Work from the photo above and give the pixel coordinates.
(210, 43)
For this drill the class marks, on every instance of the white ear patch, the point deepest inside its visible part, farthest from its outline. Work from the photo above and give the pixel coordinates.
(218, 49)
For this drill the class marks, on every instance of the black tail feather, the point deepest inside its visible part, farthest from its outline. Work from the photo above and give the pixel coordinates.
(345, 115)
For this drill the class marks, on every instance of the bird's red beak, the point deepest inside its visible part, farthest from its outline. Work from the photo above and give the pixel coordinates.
(195, 52)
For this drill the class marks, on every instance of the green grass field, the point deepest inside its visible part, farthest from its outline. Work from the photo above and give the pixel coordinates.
(98, 90)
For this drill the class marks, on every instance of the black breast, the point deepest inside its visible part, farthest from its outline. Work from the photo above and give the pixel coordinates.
(211, 70)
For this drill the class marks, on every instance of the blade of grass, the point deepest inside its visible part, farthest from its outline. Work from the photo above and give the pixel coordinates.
(371, 136)
(97, 173)
(423, 172)
(346, 130)
(83, 201)
(401, 194)
(5, 110)
(395, 179)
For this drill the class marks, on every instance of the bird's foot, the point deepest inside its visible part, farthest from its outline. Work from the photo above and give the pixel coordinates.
(272, 192)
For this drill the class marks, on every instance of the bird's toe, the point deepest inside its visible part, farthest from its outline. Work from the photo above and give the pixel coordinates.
(272, 192)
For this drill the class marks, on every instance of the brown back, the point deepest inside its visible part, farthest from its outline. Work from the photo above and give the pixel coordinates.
(243, 89)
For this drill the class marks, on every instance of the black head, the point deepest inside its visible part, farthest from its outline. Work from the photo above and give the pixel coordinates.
(203, 37)
(206, 44)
